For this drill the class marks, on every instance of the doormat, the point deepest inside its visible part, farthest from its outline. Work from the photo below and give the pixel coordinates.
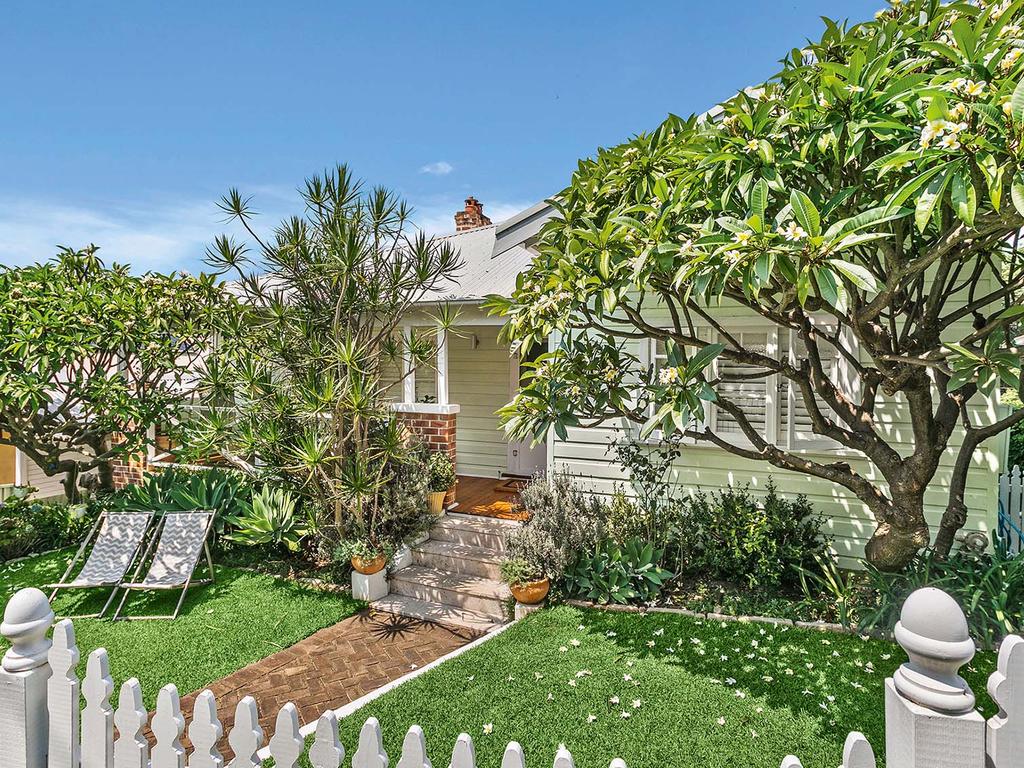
(512, 485)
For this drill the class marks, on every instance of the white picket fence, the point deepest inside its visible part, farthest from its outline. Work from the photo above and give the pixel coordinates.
(931, 721)
(1011, 509)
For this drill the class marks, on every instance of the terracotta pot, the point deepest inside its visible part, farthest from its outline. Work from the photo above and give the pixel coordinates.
(366, 567)
(436, 499)
(532, 592)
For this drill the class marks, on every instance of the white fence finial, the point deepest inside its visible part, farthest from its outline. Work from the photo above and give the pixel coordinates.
(933, 631)
(791, 762)
(98, 715)
(857, 752)
(286, 743)
(370, 753)
(1006, 687)
(414, 750)
(168, 725)
(327, 751)
(131, 750)
(27, 619)
(930, 720)
(464, 753)
(513, 757)
(204, 732)
(246, 736)
(62, 699)
(563, 758)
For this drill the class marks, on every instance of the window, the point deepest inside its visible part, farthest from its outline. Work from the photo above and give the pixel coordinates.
(773, 405)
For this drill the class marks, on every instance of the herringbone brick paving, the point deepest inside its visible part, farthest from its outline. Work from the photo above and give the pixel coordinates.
(332, 667)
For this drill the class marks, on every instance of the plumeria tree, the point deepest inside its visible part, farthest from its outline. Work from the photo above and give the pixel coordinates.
(866, 202)
(297, 385)
(91, 357)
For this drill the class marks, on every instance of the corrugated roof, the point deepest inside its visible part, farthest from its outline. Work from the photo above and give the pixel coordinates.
(492, 256)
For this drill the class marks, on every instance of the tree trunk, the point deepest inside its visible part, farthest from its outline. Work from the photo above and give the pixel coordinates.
(105, 474)
(901, 532)
(70, 483)
(953, 519)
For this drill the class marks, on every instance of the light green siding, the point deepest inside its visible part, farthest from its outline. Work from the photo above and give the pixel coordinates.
(585, 455)
(479, 380)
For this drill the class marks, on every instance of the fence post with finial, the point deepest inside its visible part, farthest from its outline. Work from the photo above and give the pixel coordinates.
(24, 672)
(930, 719)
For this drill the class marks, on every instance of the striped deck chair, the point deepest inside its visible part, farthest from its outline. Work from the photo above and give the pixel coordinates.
(180, 539)
(117, 539)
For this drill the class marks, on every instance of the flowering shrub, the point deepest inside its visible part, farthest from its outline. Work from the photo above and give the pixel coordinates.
(28, 526)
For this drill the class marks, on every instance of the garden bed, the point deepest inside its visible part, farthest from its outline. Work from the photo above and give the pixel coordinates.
(242, 618)
(658, 690)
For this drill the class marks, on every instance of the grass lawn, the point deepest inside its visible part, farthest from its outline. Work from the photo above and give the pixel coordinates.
(242, 618)
(658, 690)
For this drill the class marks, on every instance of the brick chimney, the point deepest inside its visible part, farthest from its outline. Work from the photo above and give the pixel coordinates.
(471, 218)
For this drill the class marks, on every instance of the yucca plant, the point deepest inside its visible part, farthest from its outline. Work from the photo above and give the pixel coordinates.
(300, 366)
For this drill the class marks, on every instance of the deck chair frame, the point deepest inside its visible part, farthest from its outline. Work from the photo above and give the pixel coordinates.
(91, 537)
(154, 544)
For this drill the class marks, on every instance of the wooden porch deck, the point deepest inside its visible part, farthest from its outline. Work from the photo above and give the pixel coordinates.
(487, 497)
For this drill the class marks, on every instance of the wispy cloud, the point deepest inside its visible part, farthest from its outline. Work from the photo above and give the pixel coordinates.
(438, 216)
(161, 237)
(440, 168)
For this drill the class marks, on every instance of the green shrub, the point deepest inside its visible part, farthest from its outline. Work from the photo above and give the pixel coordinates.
(989, 586)
(564, 522)
(178, 489)
(518, 571)
(1016, 452)
(732, 535)
(442, 471)
(616, 573)
(28, 526)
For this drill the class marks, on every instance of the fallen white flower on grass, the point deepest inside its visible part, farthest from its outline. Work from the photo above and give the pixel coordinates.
(591, 718)
(488, 727)
(720, 721)
(613, 700)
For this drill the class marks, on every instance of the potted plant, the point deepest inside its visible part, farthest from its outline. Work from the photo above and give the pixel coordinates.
(366, 556)
(442, 480)
(528, 583)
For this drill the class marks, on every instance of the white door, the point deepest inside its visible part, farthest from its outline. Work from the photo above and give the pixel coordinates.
(523, 458)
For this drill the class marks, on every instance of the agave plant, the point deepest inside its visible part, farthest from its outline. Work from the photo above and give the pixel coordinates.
(178, 490)
(270, 519)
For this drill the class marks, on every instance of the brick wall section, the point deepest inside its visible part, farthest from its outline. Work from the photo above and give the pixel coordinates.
(437, 430)
(128, 472)
(472, 217)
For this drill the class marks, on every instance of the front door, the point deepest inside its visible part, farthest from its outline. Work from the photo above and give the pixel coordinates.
(523, 458)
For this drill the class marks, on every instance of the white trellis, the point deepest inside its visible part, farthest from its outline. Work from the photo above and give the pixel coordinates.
(930, 717)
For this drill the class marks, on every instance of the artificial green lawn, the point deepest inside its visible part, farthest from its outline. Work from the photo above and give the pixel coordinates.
(694, 693)
(242, 618)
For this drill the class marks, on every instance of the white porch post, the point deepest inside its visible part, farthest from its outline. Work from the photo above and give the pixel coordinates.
(409, 382)
(442, 366)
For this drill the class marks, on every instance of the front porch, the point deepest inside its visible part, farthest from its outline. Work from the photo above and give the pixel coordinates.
(454, 402)
(487, 497)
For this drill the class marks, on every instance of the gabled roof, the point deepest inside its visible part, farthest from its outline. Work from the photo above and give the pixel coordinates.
(492, 256)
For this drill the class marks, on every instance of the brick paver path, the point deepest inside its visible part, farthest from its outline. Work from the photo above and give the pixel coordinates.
(332, 667)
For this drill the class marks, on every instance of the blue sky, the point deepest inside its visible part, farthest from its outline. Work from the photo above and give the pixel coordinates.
(122, 123)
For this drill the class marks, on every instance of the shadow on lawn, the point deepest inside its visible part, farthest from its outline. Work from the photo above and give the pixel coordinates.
(836, 679)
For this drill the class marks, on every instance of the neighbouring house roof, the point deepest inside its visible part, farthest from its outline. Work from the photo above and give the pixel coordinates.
(492, 257)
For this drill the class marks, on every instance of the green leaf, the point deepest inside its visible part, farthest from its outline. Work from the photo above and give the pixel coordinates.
(805, 212)
(856, 274)
(1017, 193)
(909, 188)
(964, 199)
(759, 199)
(928, 200)
(1017, 103)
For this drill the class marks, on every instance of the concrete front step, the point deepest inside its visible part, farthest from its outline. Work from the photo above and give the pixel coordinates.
(458, 558)
(471, 593)
(402, 605)
(483, 532)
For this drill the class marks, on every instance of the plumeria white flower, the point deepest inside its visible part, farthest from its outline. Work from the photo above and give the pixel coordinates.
(488, 727)
(855, 88)
(739, 694)
(659, 632)
(613, 700)
(650, 643)
(591, 718)
(563, 649)
(637, 703)
(627, 678)
(950, 141)
(538, 675)
(572, 682)
(752, 146)
(720, 721)
(667, 376)
(574, 643)
(730, 681)
(742, 238)
(625, 715)
(551, 697)
(793, 232)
